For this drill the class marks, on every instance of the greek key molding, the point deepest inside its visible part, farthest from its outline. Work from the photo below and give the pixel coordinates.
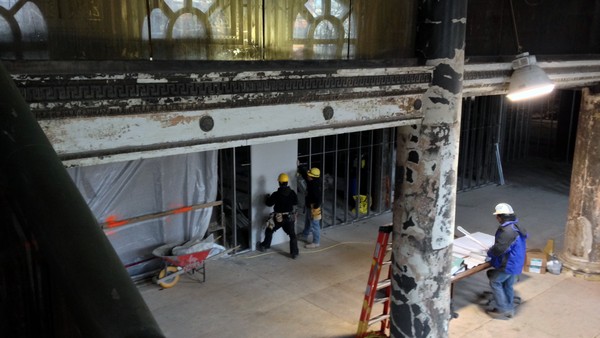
(67, 96)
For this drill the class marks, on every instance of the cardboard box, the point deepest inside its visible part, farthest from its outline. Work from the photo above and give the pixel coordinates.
(535, 261)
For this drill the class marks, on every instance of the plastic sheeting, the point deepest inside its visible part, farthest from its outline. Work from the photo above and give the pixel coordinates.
(119, 191)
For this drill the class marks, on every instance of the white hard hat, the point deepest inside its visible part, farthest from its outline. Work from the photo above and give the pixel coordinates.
(503, 208)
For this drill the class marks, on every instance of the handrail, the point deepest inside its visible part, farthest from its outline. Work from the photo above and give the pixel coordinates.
(98, 290)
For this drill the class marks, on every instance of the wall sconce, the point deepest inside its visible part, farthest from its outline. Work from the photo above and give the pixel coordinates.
(528, 80)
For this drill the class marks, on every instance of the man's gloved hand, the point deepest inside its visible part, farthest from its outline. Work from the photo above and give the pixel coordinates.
(267, 197)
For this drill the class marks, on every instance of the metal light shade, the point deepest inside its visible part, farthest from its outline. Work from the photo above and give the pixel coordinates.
(528, 80)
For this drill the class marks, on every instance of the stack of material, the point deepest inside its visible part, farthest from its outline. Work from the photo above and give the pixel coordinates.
(472, 248)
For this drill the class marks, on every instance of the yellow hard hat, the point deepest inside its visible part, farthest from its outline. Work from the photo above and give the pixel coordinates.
(314, 172)
(283, 178)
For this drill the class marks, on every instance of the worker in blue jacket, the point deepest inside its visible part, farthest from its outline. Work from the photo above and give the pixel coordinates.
(507, 257)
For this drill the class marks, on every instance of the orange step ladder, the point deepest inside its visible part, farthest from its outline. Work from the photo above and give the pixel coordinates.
(378, 292)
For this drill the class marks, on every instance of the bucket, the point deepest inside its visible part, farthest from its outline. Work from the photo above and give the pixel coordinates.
(554, 267)
(363, 203)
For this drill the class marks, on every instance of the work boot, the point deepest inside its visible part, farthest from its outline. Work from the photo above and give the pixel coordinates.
(312, 245)
(485, 302)
(261, 247)
(487, 295)
(486, 298)
(497, 314)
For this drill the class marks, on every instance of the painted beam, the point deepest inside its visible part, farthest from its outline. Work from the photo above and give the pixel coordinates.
(100, 117)
(94, 140)
(483, 79)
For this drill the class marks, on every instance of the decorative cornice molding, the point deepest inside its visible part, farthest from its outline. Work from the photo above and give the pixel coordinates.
(60, 96)
(104, 117)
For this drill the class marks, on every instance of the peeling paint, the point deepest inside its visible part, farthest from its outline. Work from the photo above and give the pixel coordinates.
(152, 80)
(428, 201)
(582, 240)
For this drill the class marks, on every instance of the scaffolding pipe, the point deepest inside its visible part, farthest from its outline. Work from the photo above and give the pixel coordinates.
(335, 180)
(98, 290)
(114, 223)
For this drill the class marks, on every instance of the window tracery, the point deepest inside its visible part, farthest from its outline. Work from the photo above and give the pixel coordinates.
(22, 24)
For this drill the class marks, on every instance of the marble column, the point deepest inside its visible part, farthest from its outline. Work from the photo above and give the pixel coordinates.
(581, 252)
(424, 205)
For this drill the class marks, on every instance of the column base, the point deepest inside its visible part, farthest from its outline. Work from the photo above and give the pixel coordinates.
(579, 267)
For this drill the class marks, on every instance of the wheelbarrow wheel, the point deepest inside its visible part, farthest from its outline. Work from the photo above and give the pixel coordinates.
(168, 283)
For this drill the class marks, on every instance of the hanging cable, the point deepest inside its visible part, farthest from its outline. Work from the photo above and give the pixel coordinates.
(512, 12)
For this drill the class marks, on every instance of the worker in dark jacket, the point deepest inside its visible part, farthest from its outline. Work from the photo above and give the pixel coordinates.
(312, 207)
(283, 202)
(507, 257)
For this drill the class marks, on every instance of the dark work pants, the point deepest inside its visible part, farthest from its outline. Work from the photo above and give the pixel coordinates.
(288, 227)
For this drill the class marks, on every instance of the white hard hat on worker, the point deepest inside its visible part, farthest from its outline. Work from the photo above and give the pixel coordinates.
(503, 209)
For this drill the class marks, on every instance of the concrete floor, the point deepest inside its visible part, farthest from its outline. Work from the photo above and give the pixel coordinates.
(320, 294)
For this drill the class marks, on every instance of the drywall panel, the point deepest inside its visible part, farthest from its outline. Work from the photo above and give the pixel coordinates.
(267, 162)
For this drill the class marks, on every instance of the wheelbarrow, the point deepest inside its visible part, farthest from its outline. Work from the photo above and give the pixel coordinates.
(191, 263)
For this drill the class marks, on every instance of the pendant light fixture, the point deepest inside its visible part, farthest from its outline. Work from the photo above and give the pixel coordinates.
(528, 80)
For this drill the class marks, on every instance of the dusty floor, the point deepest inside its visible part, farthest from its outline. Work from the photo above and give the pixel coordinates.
(320, 294)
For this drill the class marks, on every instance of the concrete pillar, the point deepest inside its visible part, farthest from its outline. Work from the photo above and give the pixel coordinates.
(581, 252)
(424, 205)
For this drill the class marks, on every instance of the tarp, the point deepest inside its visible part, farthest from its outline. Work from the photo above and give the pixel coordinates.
(119, 191)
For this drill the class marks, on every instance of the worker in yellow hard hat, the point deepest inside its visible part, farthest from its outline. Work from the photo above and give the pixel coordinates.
(283, 202)
(312, 209)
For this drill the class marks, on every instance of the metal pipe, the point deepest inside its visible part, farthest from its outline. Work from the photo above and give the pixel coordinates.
(346, 186)
(499, 164)
(370, 172)
(358, 174)
(323, 180)
(98, 290)
(335, 180)
(384, 136)
(113, 223)
(234, 198)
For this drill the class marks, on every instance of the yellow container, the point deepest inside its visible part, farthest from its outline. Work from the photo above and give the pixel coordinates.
(363, 203)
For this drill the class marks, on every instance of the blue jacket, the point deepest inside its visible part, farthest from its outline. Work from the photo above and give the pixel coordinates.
(508, 252)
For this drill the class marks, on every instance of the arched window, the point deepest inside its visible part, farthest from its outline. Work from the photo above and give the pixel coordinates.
(324, 29)
(23, 31)
(186, 29)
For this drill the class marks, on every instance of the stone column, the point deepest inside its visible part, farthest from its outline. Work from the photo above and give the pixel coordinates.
(581, 252)
(424, 205)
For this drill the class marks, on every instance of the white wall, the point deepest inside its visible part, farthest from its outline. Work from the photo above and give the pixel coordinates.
(268, 161)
